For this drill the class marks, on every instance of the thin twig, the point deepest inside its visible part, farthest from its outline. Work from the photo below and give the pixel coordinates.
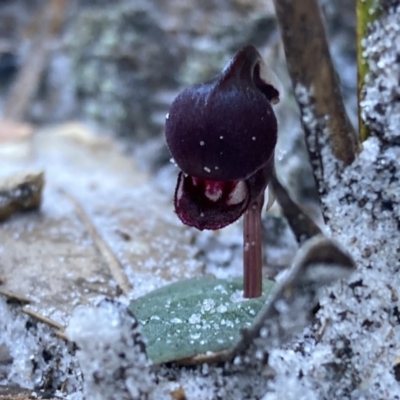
(61, 334)
(310, 67)
(14, 296)
(114, 265)
(42, 318)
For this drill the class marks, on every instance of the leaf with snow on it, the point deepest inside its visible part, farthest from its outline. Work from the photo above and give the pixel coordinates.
(195, 317)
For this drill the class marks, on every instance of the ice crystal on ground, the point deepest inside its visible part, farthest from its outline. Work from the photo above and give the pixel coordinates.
(365, 215)
(111, 353)
(32, 363)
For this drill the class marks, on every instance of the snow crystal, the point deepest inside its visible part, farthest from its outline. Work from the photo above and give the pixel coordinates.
(237, 296)
(111, 352)
(33, 357)
(222, 308)
(208, 306)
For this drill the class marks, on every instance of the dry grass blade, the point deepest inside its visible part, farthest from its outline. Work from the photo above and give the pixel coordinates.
(310, 67)
(112, 261)
(62, 335)
(14, 296)
(42, 318)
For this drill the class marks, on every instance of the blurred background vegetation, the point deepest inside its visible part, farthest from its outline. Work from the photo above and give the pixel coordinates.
(121, 63)
(118, 66)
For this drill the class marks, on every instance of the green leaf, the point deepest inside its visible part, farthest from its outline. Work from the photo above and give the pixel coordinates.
(195, 316)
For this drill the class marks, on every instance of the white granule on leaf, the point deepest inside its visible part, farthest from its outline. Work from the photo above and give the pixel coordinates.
(208, 306)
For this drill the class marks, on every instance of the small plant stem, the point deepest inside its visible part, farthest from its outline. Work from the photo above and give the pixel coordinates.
(252, 250)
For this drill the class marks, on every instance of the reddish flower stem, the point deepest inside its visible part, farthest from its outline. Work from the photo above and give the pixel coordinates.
(252, 249)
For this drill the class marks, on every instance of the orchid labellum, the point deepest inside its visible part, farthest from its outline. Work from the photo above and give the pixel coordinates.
(222, 135)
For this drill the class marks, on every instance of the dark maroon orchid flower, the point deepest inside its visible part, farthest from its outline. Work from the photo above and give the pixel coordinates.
(222, 135)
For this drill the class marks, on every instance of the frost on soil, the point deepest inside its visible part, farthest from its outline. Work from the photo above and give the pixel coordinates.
(48, 363)
(111, 353)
